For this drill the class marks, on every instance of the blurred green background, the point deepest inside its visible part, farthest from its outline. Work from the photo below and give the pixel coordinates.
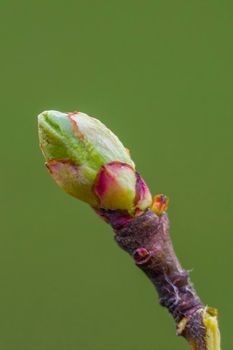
(160, 75)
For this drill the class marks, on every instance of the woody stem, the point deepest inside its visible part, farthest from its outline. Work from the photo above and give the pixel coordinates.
(146, 238)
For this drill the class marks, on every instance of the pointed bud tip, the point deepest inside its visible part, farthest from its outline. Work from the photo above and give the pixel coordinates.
(49, 117)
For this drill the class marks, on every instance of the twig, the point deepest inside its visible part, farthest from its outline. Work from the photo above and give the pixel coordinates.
(146, 238)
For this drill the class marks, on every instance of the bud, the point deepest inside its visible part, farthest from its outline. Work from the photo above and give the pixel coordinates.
(159, 204)
(115, 186)
(210, 320)
(73, 179)
(141, 256)
(90, 163)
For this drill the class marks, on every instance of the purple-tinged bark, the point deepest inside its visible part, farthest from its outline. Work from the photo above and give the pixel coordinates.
(146, 238)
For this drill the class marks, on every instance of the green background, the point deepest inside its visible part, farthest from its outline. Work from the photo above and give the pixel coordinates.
(160, 75)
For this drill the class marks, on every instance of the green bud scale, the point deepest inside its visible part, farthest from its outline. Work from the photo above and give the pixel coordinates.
(90, 163)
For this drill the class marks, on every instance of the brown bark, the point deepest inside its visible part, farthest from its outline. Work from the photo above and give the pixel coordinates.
(146, 238)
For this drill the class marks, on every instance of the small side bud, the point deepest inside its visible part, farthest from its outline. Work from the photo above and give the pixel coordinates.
(159, 204)
(212, 331)
(141, 256)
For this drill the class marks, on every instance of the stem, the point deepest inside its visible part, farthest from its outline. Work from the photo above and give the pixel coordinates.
(146, 238)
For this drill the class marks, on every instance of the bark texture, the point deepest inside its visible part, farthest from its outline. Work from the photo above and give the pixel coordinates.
(146, 238)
